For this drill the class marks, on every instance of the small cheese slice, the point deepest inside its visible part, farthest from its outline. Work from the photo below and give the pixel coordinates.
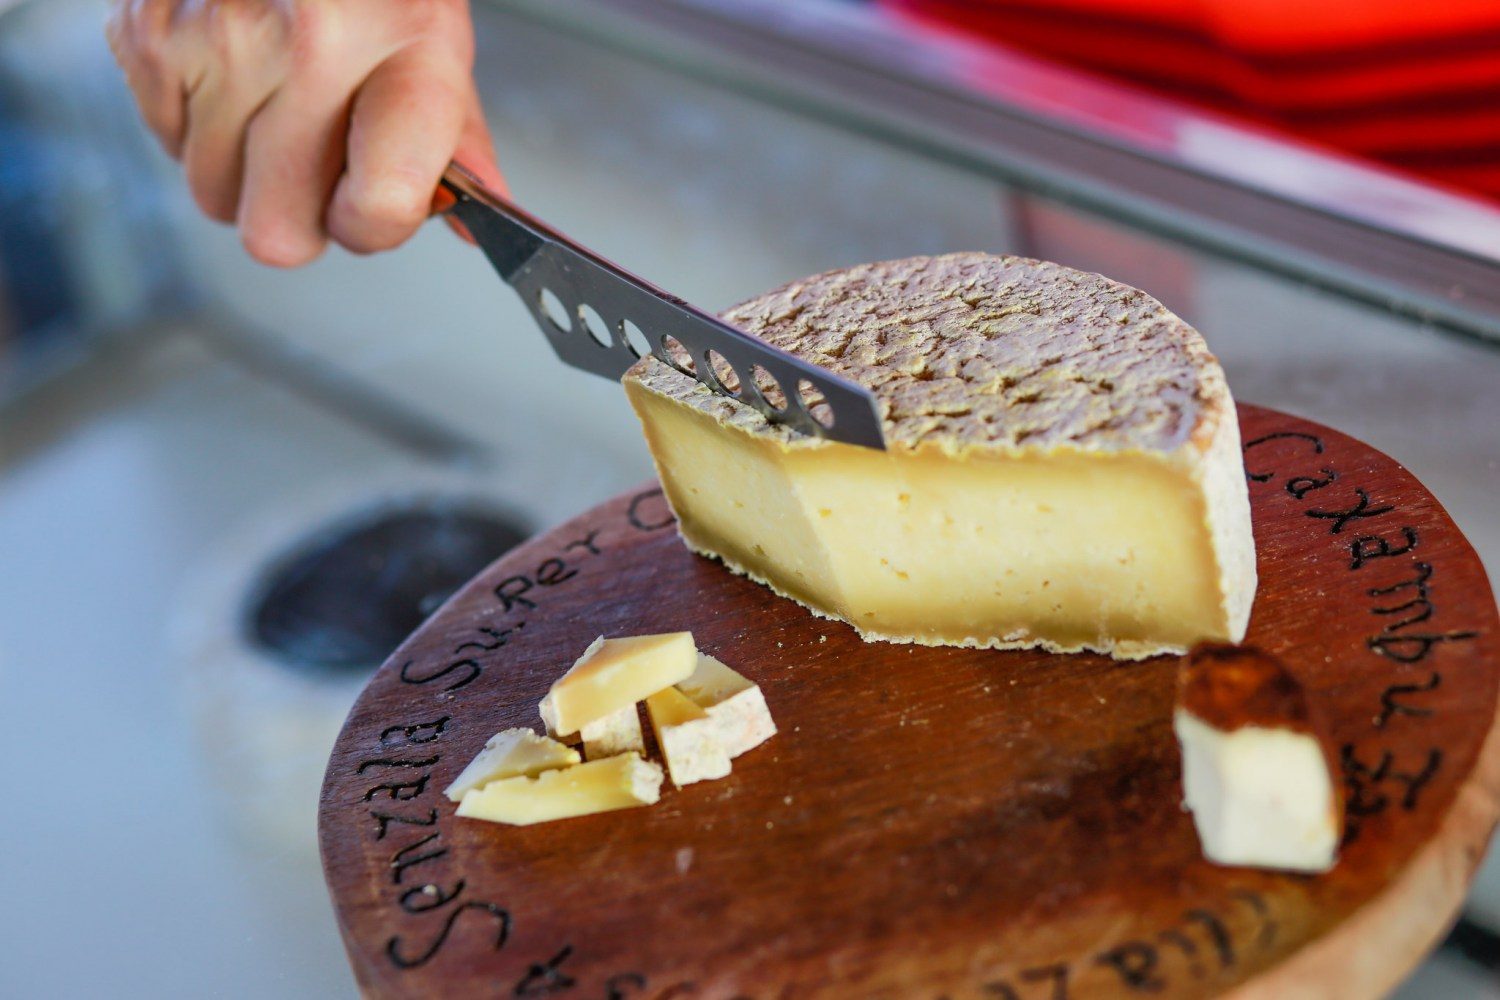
(615, 673)
(581, 790)
(510, 753)
(1257, 773)
(688, 738)
(734, 704)
(1063, 465)
(618, 732)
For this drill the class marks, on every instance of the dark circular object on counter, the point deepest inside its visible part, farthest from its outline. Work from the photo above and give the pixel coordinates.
(347, 594)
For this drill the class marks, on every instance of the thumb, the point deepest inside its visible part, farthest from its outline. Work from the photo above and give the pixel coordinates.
(475, 152)
(476, 148)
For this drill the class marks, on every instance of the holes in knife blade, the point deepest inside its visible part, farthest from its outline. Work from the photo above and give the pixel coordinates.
(553, 308)
(634, 338)
(594, 324)
(815, 402)
(769, 388)
(723, 372)
(674, 354)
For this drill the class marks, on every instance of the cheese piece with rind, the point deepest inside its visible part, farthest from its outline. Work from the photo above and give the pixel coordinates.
(1258, 771)
(1063, 467)
(688, 738)
(510, 753)
(584, 789)
(615, 673)
(733, 703)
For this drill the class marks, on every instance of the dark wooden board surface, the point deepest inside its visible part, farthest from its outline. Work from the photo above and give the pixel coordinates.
(929, 822)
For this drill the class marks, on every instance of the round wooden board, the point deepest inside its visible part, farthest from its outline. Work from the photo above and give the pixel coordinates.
(929, 822)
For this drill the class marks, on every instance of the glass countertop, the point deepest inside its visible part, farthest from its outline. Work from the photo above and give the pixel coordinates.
(166, 847)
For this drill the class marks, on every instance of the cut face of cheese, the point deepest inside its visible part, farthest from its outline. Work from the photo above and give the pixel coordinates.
(598, 786)
(508, 754)
(734, 705)
(618, 732)
(1260, 797)
(616, 673)
(1063, 466)
(1257, 772)
(688, 738)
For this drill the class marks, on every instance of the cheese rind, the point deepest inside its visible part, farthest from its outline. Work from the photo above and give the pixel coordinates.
(1063, 466)
(615, 673)
(598, 786)
(688, 738)
(733, 703)
(508, 754)
(618, 732)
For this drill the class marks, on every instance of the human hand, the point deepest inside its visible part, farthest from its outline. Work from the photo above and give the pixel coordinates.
(304, 121)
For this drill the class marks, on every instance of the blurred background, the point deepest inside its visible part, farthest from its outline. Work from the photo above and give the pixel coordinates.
(227, 492)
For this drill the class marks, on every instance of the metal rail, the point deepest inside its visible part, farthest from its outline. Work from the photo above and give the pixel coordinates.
(1223, 187)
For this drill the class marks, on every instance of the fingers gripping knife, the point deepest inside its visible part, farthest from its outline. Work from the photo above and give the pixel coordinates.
(540, 263)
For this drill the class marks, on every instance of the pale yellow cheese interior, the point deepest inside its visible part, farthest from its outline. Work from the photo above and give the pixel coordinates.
(1260, 797)
(508, 754)
(1062, 548)
(616, 733)
(688, 738)
(613, 674)
(713, 682)
(583, 789)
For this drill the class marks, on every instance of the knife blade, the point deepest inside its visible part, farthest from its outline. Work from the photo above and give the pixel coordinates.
(568, 289)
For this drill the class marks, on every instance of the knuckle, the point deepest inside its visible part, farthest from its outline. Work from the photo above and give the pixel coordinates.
(363, 238)
(276, 246)
(212, 202)
(360, 233)
(390, 200)
(169, 140)
(135, 31)
(210, 191)
(224, 27)
(432, 16)
(311, 36)
(364, 246)
(231, 33)
(369, 242)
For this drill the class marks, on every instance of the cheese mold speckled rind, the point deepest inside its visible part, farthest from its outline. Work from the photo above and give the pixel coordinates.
(1063, 466)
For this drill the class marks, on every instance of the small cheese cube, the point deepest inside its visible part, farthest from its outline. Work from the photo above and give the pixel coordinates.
(1260, 797)
(581, 790)
(618, 732)
(688, 738)
(733, 702)
(508, 754)
(1257, 772)
(614, 673)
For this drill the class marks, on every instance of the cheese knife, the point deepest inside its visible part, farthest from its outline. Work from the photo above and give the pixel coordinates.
(601, 318)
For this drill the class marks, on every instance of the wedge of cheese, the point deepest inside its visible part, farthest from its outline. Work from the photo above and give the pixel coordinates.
(510, 753)
(1257, 770)
(618, 732)
(598, 786)
(733, 703)
(688, 738)
(1063, 466)
(613, 674)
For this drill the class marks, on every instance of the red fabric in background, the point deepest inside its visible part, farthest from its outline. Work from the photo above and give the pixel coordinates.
(1414, 85)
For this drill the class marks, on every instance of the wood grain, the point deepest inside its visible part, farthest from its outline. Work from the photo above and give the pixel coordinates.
(930, 822)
